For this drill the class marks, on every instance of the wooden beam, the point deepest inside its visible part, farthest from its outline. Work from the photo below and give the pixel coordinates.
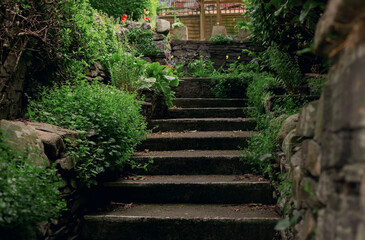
(219, 14)
(202, 20)
(223, 1)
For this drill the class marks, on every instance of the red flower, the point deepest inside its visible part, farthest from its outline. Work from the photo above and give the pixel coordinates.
(124, 18)
(147, 18)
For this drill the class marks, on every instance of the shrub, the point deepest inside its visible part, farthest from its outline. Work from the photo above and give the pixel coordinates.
(289, 104)
(112, 115)
(159, 78)
(134, 9)
(143, 41)
(28, 192)
(202, 67)
(316, 85)
(286, 67)
(126, 71)
(220, 39)
(290, 24)
(261, 147)
(230, 85)
(258, 90)
(84, 40)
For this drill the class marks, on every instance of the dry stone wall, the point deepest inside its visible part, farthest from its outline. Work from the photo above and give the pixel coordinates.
(224, 54)
(325, 152)
(12, 86)
(49, 139)
(160, 37)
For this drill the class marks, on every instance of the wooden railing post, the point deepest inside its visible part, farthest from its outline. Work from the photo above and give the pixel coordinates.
(219, 14)
(202, 20)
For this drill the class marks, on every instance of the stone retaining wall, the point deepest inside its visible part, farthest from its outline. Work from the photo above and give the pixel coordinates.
(12, 86)
(325, 153)
(23, 135)
(191, 50)
(49, 140)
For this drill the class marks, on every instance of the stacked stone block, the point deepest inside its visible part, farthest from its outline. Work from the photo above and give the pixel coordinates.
(328, 167)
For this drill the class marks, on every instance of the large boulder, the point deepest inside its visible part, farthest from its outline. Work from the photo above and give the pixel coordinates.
(290, 143)
(163, 26)
(288, 125)
(24, 137)
(219, 30)
(158, 36)
(143, 25)
(54, 147)
(337, 21)
(181, 33)
(312, 156)
(160, 45)
(53, 138)
(307, 120)
(71, 135)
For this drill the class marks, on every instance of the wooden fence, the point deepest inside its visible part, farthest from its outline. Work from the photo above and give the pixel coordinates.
(200, 23)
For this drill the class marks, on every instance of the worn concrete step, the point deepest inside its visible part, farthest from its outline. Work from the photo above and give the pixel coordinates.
(203, 124)
(191, 162)
(214, 112)
(182, 222)
(210, 140)
(209, 102)
(232, 189)
(194, 88)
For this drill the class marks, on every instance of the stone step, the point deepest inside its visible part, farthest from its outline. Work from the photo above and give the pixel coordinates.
(211, 140)
(223, 112)
(230, 189)
(191, 162)
(203, 124)
(209, 102)
(194, 88)
(182, 222)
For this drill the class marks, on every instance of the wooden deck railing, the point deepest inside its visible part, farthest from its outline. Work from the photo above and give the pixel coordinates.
(201, 15)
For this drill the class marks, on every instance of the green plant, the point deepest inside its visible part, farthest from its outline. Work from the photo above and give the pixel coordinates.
(259, 90)
(143, 41)
(180, 69)
(28, 192)
(89, 37)
(220, 39)
(290, 24)
(201, 67)
(161, 79)
(126, 71)
(233, 86)
(134, 9)
(316, 85)
(177, 23)
(111, 115)
(237, 68)
(86, 37)
(286, 67)
(286, 223)
(261, 147)
(133, 74)
(242, 25)
(289, 104)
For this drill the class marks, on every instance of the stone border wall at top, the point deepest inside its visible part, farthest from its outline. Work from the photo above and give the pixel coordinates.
(223, 54)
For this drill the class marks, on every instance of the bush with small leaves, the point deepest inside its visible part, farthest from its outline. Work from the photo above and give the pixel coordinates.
(112, 115)
(28, 192)
(220, 39)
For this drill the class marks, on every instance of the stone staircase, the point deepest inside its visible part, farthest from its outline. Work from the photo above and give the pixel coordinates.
(197, 188)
